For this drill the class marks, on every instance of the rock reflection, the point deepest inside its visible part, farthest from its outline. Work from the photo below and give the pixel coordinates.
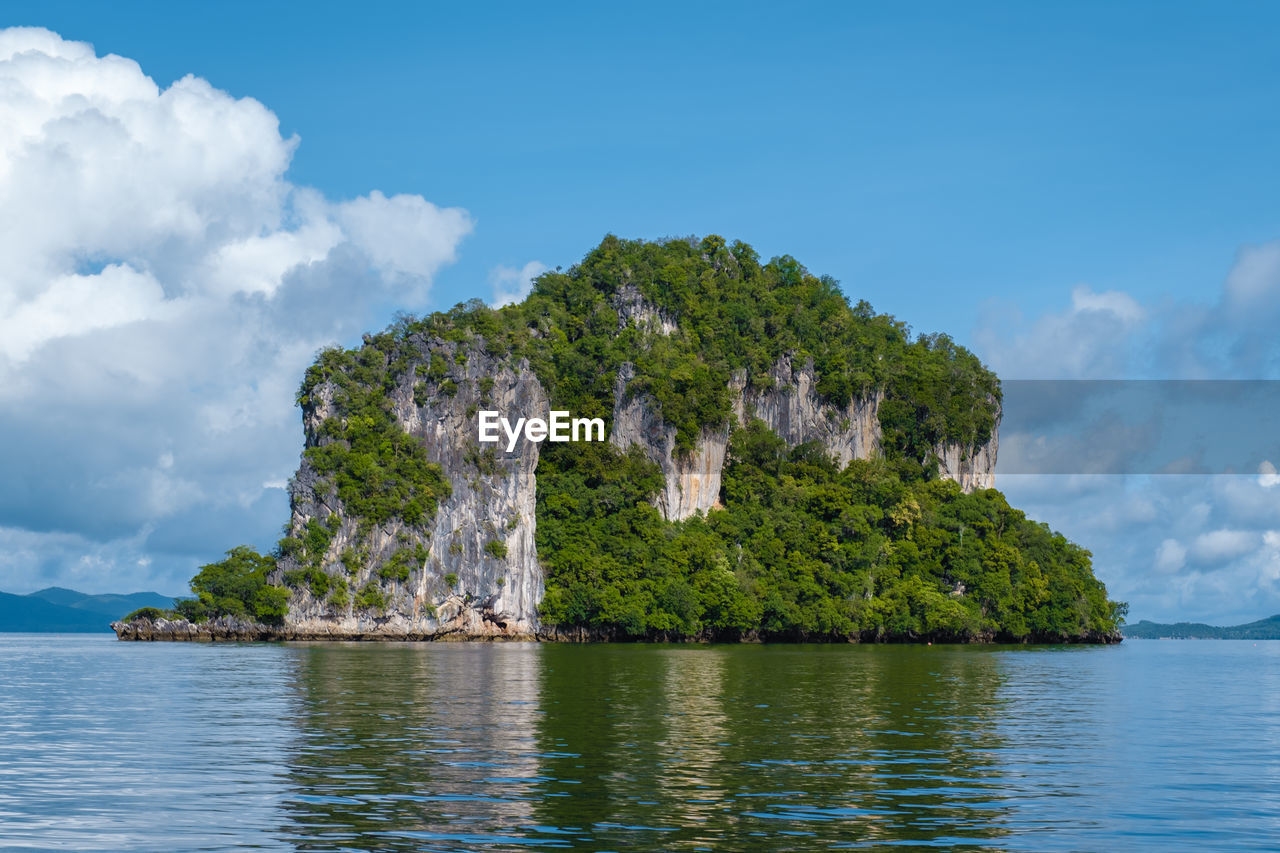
(415, 747)
(682, 748)
(693, 781)
(452, 747)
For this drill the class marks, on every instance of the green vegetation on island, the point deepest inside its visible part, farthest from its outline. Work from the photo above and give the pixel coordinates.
(236, 587)
(732, 312)
(803, 550)
(882, 549)
(380, 471)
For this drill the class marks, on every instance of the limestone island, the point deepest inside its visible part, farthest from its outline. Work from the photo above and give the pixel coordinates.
(779, 466)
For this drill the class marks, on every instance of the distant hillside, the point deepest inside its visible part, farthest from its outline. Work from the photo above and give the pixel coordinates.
(110, 603)
(1263, 629)
(59, 610)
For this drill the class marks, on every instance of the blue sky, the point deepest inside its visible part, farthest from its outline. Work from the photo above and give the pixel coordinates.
(928, 155)
(1079, 190)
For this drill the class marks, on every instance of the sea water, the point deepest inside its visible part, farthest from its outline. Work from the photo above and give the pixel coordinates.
(1159, 745)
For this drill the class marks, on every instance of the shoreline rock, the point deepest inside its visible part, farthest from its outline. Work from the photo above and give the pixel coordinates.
(231, 630)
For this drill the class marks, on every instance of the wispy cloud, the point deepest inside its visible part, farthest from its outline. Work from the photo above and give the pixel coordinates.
(1177, 547)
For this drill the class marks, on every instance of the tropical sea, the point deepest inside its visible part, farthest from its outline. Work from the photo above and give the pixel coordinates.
(1158, 745)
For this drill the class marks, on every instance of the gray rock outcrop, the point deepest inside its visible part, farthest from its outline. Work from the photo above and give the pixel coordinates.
(788, 403)
(479, 575)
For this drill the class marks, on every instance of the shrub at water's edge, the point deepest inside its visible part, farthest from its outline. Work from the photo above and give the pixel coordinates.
(797, 548)
(236, 587)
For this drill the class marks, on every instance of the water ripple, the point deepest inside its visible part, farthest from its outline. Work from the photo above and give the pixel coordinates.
(111, 746)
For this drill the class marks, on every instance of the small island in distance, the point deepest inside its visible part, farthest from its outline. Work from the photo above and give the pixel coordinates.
(1263, 629)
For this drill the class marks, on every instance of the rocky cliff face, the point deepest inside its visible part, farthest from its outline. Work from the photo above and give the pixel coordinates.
(475, 570)
(693, 482)
(633, 309)
(972, 467)
(787, 401)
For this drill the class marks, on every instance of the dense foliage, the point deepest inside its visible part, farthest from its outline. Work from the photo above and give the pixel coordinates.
(236, 586)
(804, 550)
(732, 313)
(380, 471)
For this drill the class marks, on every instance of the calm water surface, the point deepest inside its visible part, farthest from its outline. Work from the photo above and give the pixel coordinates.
(137, 746)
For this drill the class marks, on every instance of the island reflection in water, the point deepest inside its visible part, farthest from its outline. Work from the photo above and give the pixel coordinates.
(108, 746)
(642, 747)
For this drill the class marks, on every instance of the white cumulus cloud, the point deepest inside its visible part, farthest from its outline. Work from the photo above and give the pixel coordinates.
(1221, 546)
(164, 284)
(512, 284)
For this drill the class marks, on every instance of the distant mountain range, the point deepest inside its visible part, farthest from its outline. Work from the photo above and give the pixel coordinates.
(1263, 629)
(59, 610)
